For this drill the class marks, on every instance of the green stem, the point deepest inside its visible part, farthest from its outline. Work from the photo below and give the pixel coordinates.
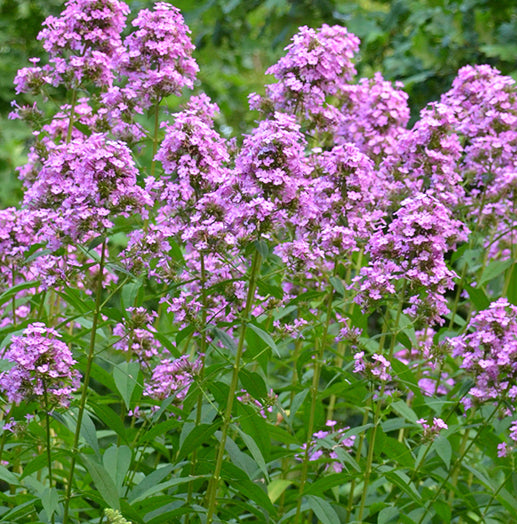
(377, 414)
(320, 344)
(202, 349)
(456, 465)
(357, 458)
(155, 136)
(86, 381)
(72, 116)
(49, 448)
(216, 477)
(294, 384)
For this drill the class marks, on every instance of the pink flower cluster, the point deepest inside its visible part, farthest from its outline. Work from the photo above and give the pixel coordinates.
(137, 335)
(330, 444)
(489, 352)
(43, 368)
(172, 378)
(412, 251)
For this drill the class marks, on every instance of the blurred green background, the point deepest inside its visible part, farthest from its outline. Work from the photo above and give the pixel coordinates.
(423, 43)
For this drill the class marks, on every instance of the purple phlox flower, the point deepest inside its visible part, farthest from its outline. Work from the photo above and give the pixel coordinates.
(488, 351)
(82, 184)
(137, 335)
(318, 63)
(43, 368)
(83, 43)
(373, 117)
(172, 378)
(159, 59)
(432, 430)
(375, 368)
(413, 250)
(329, 445)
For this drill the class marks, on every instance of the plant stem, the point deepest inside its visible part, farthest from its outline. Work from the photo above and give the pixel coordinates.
(86, 381)
(72, 116)
(216, 477)
(202, 349)
(321, 344)
(357, 458)
(155, 136)
(456, 465)
(377, 414)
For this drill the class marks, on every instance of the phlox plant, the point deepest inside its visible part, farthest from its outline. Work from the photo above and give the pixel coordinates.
(314, 322)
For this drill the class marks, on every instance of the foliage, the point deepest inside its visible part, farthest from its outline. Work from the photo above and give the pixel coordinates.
(316, 321)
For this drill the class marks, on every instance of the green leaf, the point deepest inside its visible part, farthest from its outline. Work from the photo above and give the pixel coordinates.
(254, 492)
(142, 489)
(103, 482)
(111, 419)
(478, 296)
(14, 290)
(199, 435)
(49, 500)
(254, 425)
(323, 510)
(325, 483)
(276, 487)
(401, 480)
(89, 433)
(266, 337)
(443, 448)
(125, 375)
(493, 270)
(116, 460)
(442, 510)
(512, 286)
(255, 452)
(262, 247)
(253, 383)
(8, 477)
(226, 340)
(387, 515)
(298, 401)
(6, 365)
(337, 284)
(402, 409)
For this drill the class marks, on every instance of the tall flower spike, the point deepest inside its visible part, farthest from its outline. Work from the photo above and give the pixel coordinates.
(83, 184)
(83, 43)
(43, 368)
(318, 63)
(412, 250)
(489, 352)
(159, 59)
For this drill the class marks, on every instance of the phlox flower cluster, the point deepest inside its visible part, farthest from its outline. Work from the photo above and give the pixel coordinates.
(331, 445)
(317, 63)
(376, 367)
(159, 62)
(81, 185)
(43, 368)
(172, 378)
(270, 172)
(83, 43)
(373, 117)
(137, 335)
(412, 250)
(432, 430)
(488, 352)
